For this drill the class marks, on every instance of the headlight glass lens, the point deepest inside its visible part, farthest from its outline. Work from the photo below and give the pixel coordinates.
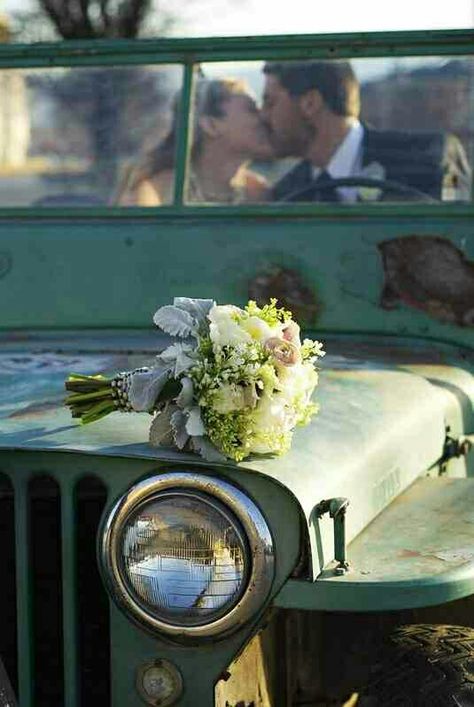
(184, 558)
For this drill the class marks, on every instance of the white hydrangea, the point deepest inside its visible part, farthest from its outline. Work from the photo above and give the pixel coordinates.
(229, 397)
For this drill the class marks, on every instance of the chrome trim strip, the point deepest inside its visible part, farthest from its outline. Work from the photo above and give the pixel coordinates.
(259, 540)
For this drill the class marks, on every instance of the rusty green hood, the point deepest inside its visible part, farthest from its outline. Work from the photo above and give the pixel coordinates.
(384, 411)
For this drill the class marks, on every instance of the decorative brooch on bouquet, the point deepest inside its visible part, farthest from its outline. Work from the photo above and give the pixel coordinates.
(237, 383)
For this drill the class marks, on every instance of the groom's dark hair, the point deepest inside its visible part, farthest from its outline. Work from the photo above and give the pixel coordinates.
(334, 80)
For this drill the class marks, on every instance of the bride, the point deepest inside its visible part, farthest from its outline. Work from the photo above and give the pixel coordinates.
(227, 134)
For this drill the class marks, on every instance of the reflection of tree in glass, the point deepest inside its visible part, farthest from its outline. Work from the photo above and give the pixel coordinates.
(197, 544)
(438, 97)
(87, 19)
(104, 115)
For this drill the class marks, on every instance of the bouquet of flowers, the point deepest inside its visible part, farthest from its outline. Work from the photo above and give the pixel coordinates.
(237, 383)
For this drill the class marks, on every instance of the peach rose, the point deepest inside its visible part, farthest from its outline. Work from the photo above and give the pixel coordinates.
(285, 352)
(291, 332)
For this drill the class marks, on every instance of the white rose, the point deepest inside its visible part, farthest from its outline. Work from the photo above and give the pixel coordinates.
(297, 382)
(223, 329)
(259, 330)
(272, 418)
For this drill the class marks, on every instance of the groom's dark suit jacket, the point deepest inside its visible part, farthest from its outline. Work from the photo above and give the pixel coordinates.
(423, 161)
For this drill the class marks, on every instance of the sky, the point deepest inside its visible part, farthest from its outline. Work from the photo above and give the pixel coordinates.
(249, 17)
(254, 17)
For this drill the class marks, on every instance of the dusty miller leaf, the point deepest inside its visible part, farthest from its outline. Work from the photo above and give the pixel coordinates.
(197, 308)
(178, 424)
(185, 398)
(204, 447)
(194, 424)
(146, 386)
(180, 355)
(161, 433)
(175, 321)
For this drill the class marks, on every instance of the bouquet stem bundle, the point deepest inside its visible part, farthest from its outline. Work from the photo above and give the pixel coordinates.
(92, 397)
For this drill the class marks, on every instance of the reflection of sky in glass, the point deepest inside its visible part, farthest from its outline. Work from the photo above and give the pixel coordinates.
(183, 561)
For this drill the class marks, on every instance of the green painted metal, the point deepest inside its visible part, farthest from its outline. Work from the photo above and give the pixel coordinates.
(26, 634)
(130, 645)
(429, 560)
(186, 214)
(182, 156)
(153, 51)
(380, 426)
(104, 273)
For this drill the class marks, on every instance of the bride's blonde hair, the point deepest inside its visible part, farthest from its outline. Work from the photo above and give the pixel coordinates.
(210, 96)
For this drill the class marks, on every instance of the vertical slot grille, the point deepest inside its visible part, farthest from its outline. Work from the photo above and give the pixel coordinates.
(45, 558)
(8, 633)
(93, 605)
(54, 612)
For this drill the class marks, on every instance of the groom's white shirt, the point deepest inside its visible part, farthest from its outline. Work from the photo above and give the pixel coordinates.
(346, 161)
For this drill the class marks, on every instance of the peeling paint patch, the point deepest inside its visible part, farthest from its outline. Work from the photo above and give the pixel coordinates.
(462, 554)
(290, 290)
(431, 274)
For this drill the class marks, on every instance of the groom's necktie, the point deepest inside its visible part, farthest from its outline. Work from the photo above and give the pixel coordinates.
(329, 194)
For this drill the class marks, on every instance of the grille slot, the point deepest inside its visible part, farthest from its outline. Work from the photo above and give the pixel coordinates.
(45, 557)
(93, 604)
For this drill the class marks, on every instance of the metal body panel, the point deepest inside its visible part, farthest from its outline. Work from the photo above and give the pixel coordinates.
(334, 45)
(429, 560)
(52, 281)
(379, 428)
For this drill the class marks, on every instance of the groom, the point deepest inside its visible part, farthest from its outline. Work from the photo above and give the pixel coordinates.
(311, 110)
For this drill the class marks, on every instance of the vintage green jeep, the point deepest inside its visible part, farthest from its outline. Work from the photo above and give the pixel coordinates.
(367, 523)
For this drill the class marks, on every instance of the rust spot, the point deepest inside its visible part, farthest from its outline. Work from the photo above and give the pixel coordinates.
(409, 553)
(431, 274)
(289, 289)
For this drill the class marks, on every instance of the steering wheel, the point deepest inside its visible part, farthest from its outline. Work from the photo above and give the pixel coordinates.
(384, 185)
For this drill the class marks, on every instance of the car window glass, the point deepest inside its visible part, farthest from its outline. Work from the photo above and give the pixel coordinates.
(362, 130)
(83, 136)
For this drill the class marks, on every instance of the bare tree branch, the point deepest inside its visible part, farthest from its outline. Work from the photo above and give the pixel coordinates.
(96, 19)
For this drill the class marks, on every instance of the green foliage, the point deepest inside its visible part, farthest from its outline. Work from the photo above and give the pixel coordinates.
(270, 313)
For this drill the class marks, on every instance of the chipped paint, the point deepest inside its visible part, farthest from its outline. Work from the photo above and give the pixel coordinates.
(429, 273)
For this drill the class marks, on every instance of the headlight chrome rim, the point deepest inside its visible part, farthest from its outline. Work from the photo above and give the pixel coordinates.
(258, 538)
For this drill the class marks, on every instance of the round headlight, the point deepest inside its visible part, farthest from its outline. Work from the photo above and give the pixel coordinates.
(187, 555)
(188, 566)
